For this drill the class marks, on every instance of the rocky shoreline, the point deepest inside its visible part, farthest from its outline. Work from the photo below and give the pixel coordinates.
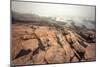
(34, 44)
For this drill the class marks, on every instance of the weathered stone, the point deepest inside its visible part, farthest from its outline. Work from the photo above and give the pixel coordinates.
(41, 32)
(90, 53)
(68, 37)
(15, 47)
(75, 59)
(27, 36)
(31, 44)
(78, 47)
(44, 41)
(46, 44)
(55, 55)
(24, 60)
(66, 47)
(39, 58)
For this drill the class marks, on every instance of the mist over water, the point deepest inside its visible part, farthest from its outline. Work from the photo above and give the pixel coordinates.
(80, 15)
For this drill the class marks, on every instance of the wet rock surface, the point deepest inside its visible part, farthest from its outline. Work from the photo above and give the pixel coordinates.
(33, 44)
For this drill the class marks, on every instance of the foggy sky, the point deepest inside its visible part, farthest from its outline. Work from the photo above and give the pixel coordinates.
(45, 9)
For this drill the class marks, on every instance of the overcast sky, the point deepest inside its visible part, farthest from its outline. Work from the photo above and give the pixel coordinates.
(45, 9)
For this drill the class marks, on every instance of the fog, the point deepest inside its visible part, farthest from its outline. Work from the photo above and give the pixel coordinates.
(60, 10)
(81, 15)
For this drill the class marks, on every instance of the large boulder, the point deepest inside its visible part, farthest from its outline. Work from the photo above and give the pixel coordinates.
(31, 44)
